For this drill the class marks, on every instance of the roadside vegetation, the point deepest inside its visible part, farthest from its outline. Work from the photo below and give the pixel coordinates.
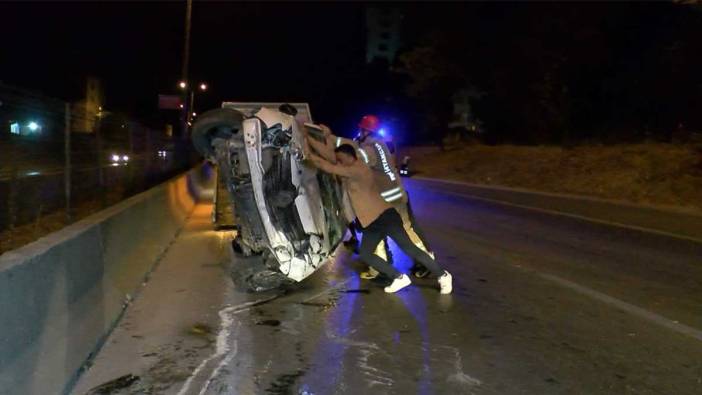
(646, 173)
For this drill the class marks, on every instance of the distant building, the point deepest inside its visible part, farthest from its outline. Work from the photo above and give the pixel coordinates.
(382, 33)
(85, 112)
(28, 113)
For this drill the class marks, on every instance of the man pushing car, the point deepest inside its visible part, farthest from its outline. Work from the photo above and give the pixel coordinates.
(376, 215)
(376, 153)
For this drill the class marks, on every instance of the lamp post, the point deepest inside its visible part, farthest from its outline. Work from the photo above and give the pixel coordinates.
(202, 87)
(186, 63)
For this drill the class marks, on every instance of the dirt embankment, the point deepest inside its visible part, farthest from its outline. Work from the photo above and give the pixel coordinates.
(656, 174)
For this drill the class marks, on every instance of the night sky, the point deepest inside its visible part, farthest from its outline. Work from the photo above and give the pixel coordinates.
(559, 70)
(244, 51)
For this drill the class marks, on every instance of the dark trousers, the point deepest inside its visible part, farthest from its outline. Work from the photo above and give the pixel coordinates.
(389, 224)
(355, 227)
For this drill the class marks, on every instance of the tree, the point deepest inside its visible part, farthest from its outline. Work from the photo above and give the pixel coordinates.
(433, 80)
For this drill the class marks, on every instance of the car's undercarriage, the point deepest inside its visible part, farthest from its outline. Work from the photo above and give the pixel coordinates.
(289, 217)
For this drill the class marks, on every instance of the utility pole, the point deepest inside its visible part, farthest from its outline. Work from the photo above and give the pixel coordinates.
(186, 64)
(67, 157)
(98, 147)
(191, 106)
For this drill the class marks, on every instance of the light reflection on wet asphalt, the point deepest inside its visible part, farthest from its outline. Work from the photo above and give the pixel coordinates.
(500, 333)
(415, 304)
(329, 355)
(505, 330)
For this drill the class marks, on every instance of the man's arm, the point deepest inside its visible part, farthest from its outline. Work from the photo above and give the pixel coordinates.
(324, 150)
(335, 141)
(367, 153)
(331, 168)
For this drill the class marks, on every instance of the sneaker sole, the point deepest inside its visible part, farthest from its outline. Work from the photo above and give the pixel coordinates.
(398, 290)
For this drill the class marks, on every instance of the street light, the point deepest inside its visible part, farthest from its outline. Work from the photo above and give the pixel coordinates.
(33, 126)
(188, 113)
(203, 87)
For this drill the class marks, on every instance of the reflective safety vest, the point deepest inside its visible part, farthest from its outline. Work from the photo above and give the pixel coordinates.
(375, 153)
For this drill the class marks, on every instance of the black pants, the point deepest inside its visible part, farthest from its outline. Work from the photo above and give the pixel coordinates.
(355, 227)
(389, 224)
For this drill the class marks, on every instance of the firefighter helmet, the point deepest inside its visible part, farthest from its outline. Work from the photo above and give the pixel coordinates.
(370, 122)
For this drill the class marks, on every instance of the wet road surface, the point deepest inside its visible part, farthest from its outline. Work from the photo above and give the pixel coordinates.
(542, 304)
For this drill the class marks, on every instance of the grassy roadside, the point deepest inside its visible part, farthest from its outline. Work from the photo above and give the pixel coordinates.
(657, 174)
(54, 221)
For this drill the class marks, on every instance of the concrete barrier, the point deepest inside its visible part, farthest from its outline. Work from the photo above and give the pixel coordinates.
(61, 295)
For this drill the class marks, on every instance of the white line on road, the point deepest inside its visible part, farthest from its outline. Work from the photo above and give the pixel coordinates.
(627, 307)
(231, 353)
(575, 216)
(222, 348)
(662, 208)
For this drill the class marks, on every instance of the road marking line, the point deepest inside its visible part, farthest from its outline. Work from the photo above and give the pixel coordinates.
(222, 348)
(575, 216)
(594, 199)
(627, 307)
(231, 353)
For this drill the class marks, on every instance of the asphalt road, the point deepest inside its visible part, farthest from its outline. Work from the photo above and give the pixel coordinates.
(543, 304)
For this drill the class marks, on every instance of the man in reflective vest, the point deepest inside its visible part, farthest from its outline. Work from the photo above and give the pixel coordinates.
(374, 151)
(376, 215)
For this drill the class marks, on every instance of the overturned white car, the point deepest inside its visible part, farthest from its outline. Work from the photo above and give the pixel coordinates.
(290, 217)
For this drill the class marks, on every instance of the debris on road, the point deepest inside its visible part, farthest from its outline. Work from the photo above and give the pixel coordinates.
(269, 322)
(200, 329)
(110, 387)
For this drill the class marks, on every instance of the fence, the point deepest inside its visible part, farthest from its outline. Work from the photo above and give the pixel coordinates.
(61, 161)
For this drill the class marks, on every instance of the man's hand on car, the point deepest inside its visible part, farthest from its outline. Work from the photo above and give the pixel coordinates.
(325, 130)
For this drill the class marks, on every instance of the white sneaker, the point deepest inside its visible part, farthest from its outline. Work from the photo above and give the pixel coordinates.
(446, 283)
(398, 284)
